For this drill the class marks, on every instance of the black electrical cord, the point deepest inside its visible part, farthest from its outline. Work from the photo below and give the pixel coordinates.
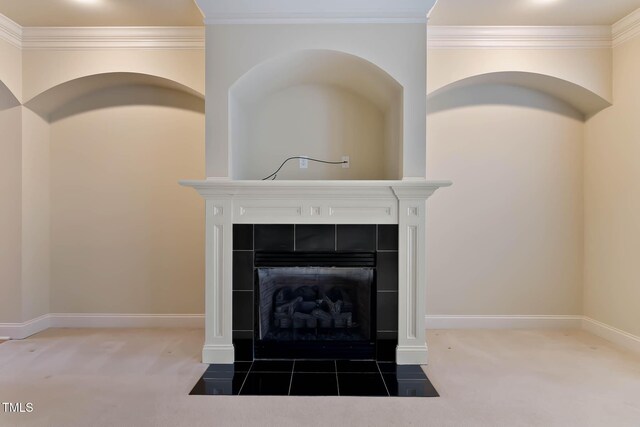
(274, 175)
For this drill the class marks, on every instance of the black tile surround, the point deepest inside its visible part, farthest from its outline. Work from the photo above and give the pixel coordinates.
(380, 239)
(315, 378)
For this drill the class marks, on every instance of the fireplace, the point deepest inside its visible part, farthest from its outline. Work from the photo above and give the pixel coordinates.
(315, 291)
(346, 82)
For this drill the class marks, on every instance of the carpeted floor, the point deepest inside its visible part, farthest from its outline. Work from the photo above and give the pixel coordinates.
(142, 377)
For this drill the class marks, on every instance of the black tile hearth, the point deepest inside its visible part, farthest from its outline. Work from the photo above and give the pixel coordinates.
(356, 238)
(223, 371)
(409, 388)
(356, 366)
(266, 384)
(315, 238)
(386, 349)
(305, 384)
(387, 367)
(410, 372)
(281, 378)
(243, 349)
(272, 366)
(220, 386)
(243, 237)
(315, 366)
(277, 238)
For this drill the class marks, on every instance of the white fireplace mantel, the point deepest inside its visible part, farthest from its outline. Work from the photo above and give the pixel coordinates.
(315, 202)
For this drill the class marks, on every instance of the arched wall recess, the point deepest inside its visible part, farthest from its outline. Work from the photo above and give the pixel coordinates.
(317, 66)
(582, 101)
(113, 89)
(275, 107)
(7, 98)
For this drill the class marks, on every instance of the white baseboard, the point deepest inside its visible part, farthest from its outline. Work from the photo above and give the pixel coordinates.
(503, 322)
(19, 331)
(110, 320)
(615, 335)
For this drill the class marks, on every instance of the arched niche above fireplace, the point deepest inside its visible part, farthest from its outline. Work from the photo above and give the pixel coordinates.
(322, 104)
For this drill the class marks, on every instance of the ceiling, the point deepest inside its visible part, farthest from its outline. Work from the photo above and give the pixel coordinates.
(101, 13)
(531, 12)
(90, 13)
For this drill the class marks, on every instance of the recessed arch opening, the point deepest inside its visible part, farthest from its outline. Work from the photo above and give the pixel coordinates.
(110, 90)
(521, 89)
(318, 103)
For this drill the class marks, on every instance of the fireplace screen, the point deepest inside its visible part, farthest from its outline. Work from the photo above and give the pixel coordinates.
(314, 304)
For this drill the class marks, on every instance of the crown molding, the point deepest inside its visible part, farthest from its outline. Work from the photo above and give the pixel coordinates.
(81, 38)
(10, 32)
(509, 37)
(315, 12)
(626, 28)
(408, 17)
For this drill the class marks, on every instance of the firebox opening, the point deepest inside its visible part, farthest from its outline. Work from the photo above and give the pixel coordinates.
(314, 304)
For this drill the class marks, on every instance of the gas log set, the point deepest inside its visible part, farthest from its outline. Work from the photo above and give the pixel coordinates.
(307, 307)
(314, 304)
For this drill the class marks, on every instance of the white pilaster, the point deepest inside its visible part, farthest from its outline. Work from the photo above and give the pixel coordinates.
(412, 346)
(218, 346)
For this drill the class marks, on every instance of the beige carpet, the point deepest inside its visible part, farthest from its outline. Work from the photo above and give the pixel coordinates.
(486, 378)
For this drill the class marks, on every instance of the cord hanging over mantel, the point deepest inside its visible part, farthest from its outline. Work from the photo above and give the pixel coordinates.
(274, 175)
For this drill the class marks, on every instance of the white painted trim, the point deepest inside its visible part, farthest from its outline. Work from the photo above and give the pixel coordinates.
(409, 17)
(111, 320)
(312, 11)
(412, 355)
(18, 331)
(610, 333)
(223, 354)
(615, 335)
(504, 322)
(96, 38)
(518, 37)
(10, 31)
(626, 28)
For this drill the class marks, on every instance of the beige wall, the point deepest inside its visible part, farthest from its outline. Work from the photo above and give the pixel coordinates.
(11, 68)
(126, 238)
(612, 200)
(182, 66)
(322, 122)
(10, 213)
(35, 216)
(102, 164)
(226, 63)
(506, 239)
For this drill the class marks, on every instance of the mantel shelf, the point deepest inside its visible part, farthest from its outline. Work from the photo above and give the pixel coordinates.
(312, 189)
